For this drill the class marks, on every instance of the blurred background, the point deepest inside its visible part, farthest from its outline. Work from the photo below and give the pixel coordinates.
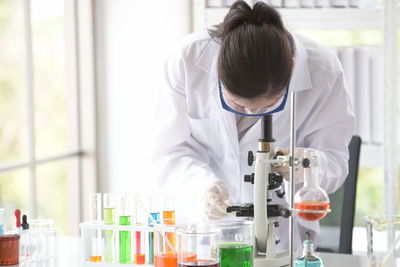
(78, 94)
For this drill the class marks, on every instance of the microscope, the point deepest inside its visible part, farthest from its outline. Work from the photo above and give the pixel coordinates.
(265, 214)
(266, 183)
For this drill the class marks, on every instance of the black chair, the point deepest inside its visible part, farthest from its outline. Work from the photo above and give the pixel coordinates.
(337, 226)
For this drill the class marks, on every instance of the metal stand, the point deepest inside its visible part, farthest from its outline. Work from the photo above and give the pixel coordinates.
(292, 174)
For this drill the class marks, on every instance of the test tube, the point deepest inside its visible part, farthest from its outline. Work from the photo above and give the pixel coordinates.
(125, 236)
(95, 217)
(139, 257)
(109, 235)
(154, 212)
(169, 218)
(1, 221)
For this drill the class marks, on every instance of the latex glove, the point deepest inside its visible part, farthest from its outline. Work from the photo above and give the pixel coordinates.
(215, 201)
(284, 169)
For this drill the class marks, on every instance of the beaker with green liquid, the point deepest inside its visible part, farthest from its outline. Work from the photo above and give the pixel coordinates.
(236, 243)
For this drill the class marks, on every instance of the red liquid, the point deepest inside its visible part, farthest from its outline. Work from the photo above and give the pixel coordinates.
(167, 259)
(203, 263)
(312, 205)
(187, 257)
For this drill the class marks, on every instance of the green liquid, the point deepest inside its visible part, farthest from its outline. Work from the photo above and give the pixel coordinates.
(124, 241)
(236, 255)
(109, 237)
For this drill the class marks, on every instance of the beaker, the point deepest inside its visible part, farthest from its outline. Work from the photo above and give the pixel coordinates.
(165, 254)
(311, 202)
(197, 246)
(383, 235)
(236, 243)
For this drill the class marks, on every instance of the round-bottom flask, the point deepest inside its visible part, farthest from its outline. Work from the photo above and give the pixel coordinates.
(311, 201)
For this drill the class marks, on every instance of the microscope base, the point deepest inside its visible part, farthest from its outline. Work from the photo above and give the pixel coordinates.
(281, 259)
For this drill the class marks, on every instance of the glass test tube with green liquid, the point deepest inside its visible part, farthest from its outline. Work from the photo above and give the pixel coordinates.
(109, 235)
(125, 236)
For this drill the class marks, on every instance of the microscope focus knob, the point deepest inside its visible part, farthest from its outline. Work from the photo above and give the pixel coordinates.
(249, 178)
(306, 163)
(250, 158)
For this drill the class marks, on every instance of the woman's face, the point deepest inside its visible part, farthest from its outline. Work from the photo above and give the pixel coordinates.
(258, 105)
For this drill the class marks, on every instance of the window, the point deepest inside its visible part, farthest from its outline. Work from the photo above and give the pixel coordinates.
(47, 125)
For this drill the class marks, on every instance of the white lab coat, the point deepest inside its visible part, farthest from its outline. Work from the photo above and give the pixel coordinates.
(197, 141)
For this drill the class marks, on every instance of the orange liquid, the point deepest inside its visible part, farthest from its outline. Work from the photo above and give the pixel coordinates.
(167, 259)
(312, 205)
(95, 258)
(169, 219)
(139, 259)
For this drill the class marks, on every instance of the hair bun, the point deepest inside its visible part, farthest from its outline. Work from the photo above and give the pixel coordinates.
(265, 14)
(241, 13)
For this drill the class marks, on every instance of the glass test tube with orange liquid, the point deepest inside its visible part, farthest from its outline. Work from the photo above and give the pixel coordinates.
(169, 219)
(96, 243)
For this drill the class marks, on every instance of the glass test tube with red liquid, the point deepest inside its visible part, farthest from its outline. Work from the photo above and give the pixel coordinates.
(139, 254)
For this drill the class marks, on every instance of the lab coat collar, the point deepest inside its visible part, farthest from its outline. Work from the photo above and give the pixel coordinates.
(300, 80)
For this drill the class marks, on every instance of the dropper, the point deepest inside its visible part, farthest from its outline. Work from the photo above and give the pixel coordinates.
(156, 225)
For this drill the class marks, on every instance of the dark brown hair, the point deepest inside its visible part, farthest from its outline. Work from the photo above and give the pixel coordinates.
(256, 55)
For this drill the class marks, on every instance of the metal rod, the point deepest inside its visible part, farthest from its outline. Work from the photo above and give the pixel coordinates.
(30, 104)
(292, 172)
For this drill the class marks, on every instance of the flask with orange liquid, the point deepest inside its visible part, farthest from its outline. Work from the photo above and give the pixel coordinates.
(311, 202)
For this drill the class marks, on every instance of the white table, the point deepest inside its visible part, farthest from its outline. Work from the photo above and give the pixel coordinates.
(69, 255)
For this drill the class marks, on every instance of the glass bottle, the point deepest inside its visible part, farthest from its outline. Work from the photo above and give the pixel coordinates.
(308, 259)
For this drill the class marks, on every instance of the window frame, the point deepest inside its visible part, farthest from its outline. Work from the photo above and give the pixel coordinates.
(80, 70)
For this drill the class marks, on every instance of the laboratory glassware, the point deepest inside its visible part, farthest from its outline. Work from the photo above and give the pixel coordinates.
(125, 236)
(311, 202)
(197, 246)
(308, 259)
(43, 241)
(94, 250)
(109, 235)
(383, 240)
(236, 242)
(25, 246)
(155, 214)
(139, 253)
(164, 252)
(9, 249)
(1, 221)
(169, 217)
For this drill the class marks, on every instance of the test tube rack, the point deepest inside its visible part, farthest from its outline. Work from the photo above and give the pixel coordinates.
(88, 229)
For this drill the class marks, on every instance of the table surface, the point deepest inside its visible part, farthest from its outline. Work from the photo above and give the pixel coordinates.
(69, 255)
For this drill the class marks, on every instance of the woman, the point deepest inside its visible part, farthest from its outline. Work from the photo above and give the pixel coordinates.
(247, 65)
